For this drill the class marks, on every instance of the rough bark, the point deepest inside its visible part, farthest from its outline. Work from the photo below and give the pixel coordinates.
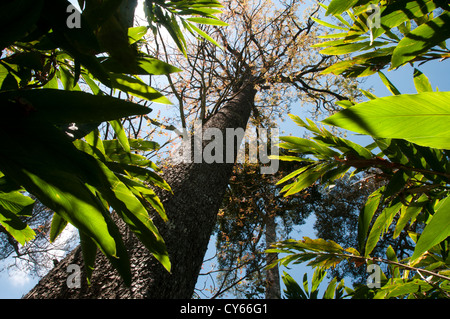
(273, 289)
(198, 189)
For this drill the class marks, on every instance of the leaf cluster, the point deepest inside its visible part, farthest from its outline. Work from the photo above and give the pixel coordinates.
(385, 35)
(51, 145)
(407, 153)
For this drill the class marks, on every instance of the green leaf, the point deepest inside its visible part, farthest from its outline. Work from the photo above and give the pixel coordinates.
(345, 146)
(138, 88)
(398, 287)
(305, 146)
(123, 200)
(143, 66)
(361, 65)
(320, 245)
(147, 194)
(293, 289)
(436, 230)
(131, 210)
(318, 276)
(57, 226)
(396, 183)
(411, 212)
(331, 289)
(205, 35)
(67, 79)
(366, 215)
(391, 255)
(346, 48)
(418, 118)
(136, 33)
(401, 11)
(95, 141)
(49, 166)
(340, 6)
(421, 82)
(208, 21)
(327, 24)
(12, 205)
(61, 107)
(141, 173)
(306, 179)
(121, 135)
(113, 146)
(421, 39)
(293, 174)
(368, 94)
(391, 87)
(381, 225)
(171, 25)
(75, 203)
(89, 250)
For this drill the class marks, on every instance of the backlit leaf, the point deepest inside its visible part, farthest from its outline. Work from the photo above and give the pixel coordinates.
(421, 39)
(436, 230)
(419, 118)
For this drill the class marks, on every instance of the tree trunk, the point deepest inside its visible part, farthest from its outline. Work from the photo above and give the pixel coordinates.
(198, 191)
(273, 289)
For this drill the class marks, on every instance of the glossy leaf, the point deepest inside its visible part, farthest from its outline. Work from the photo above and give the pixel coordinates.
(89, 250)
(136, 33)
(421, 82)
(52, 169)
(331, 289)
(327, 24)
(398, 12)
(170, 23)
(121, 135)
(208, 21)
(380, 226)
(143, 66)
(366, 215)
(436, 230)
(141, 173)
(346, 48)
(123, 195)
(340, 6)
(204, 35)
(130, 209)
(146, 194)
(12, 205)
(361, 65)
(410, 213)
(113, 146)
(399, 287)
(57, 226)
(391, 87)
(138, 88)
(59, 107)
(293, 289)
(421, 39)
